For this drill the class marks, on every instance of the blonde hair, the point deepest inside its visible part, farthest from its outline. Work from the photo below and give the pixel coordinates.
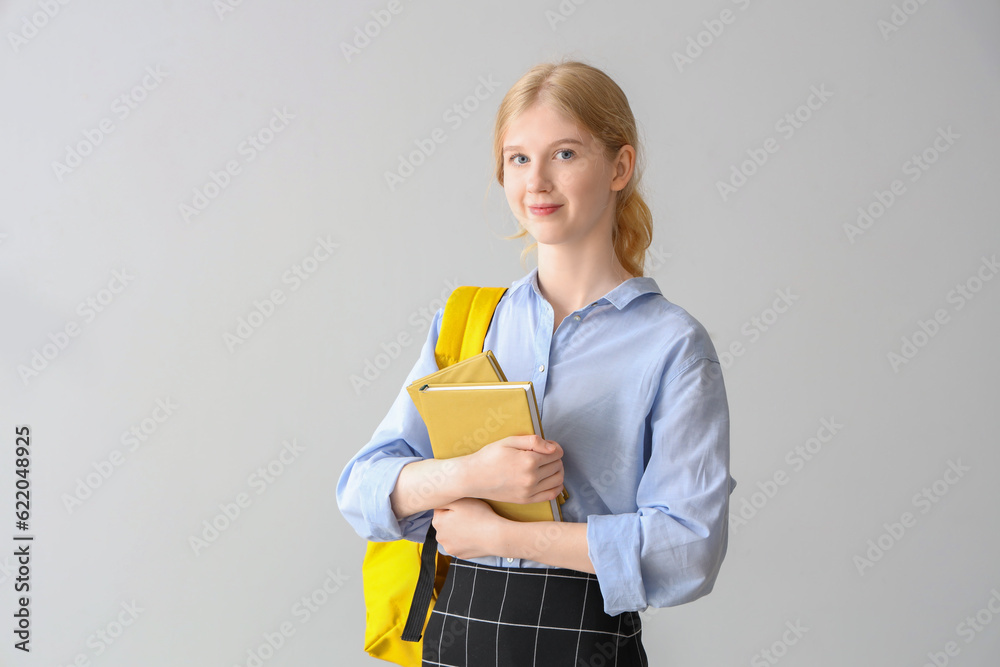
(590, 97)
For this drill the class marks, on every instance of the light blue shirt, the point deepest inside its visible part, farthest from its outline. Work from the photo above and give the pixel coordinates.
(631, 387)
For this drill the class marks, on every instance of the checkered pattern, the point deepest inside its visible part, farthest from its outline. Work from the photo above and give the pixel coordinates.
(519, 617)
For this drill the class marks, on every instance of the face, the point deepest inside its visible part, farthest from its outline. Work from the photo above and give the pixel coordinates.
(558, 183)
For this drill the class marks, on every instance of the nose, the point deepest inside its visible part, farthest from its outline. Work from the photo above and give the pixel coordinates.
(538, 178)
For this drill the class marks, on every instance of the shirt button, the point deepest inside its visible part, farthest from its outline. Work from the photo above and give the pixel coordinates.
(541, 368)
(576, 317)
(510, 560)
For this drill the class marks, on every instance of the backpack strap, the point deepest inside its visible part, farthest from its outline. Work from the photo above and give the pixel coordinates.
(467, 316)
(466, 319)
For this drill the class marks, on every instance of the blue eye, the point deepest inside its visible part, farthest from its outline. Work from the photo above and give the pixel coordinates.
(514, 156)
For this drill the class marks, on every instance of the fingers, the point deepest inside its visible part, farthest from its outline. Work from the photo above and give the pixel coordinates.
(551, 447)
(546, 451)
(550, 484)
(553, 480)
(534, 443)
(547, 494)
(548, 469)
(553, 456)
(548, 456)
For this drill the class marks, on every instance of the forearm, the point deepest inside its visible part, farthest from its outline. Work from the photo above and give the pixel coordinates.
(428, 484)
(556, 543)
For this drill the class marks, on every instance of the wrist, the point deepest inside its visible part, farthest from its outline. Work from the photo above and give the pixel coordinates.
(507, 533)
(461, 471)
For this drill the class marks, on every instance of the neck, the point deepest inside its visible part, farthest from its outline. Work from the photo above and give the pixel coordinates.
(570, 279)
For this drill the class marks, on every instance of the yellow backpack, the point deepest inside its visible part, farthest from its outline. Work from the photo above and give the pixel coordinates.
(391, 570)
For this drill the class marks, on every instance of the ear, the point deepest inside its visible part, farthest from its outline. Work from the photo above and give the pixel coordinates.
(623, 166)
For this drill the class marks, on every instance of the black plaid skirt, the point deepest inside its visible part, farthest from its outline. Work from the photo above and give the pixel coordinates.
(523, 617)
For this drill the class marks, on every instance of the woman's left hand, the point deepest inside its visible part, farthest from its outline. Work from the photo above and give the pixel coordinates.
(468, 528)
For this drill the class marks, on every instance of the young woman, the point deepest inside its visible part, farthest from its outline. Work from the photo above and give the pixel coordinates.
(631, 395)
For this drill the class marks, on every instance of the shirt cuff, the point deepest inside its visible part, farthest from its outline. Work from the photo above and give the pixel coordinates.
(614, 545)
(376, 506)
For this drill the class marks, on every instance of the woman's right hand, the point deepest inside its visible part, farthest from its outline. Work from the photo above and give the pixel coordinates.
(516, 469)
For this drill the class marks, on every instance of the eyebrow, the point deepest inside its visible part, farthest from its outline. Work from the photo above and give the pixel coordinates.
(568, 140)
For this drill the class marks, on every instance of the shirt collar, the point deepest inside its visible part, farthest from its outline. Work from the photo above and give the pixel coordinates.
(619, 296)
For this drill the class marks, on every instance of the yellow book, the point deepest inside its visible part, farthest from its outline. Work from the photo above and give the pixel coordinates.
(465, 415)
(482, 367)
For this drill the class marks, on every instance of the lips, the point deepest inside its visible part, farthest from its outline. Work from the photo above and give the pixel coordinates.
(544, 209)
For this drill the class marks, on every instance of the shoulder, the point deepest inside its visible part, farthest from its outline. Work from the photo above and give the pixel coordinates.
(678, 339)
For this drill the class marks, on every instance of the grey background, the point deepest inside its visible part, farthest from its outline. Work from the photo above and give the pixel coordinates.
(400, 252)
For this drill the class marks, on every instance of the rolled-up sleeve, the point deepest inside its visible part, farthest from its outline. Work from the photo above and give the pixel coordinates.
(670, 550)
(368, 479)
